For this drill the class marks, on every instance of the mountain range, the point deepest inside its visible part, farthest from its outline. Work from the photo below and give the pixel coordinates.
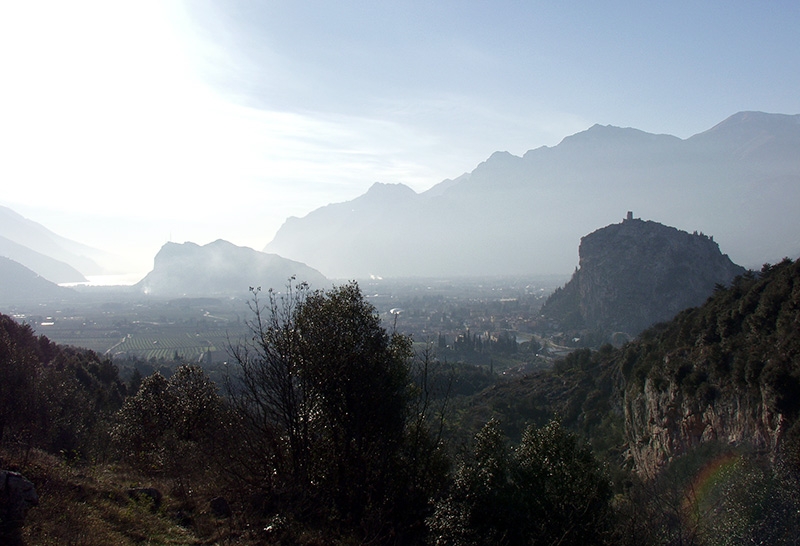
(34, 260)
(56, 258)
(20, 285)
(738, 181)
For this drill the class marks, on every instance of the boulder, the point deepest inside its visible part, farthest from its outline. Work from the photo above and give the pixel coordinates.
(17, 496)
(220, 507)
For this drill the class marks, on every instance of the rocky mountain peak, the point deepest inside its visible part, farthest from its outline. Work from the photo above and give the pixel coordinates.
(220, 268)
(382, 190)
(637, 273)
(754, 134)
(756, 119)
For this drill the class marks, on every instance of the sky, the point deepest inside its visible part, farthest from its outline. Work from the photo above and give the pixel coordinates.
(124, 125)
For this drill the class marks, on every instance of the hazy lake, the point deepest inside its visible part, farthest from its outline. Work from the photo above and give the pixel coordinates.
(123, 279)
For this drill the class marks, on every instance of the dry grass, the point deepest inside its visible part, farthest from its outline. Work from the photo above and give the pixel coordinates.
(89, 506)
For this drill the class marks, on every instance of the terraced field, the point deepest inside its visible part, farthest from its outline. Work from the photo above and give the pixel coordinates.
(189, 329)
(187, 346)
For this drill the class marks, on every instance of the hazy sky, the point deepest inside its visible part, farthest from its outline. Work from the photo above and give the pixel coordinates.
(127, 124)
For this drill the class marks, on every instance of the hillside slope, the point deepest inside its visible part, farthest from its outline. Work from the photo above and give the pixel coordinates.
(49, 268)
(41, 240)
(727, 371)
(19, 285)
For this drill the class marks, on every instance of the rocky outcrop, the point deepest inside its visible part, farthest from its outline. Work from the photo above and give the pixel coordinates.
(149, 495)
(17, 496)
(727, 371)
(637, 273)
(662, 422)
(220, 507)
(220, 268)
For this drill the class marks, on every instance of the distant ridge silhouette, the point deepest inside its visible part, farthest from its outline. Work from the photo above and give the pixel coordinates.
(220, 268)
(740, 180)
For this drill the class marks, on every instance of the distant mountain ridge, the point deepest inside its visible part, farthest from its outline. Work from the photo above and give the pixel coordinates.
(220, 268)
(49, 268)
(637, 273)
(55, 257)
(739, 180)
(20, 285)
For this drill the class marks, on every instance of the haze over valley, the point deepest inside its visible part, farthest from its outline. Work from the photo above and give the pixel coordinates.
(738, 181)
(399, 273)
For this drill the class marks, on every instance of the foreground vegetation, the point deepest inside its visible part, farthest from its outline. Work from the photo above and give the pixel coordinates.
(329, 429)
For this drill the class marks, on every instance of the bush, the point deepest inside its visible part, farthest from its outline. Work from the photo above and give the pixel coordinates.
(550, 490)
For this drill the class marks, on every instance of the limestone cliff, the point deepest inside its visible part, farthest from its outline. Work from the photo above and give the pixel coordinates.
(220, 268)
(663, 422)
(727, 371)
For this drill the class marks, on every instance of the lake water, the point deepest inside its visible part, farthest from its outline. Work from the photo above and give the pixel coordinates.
(123, 279)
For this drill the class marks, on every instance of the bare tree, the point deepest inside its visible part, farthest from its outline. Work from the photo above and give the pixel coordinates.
(266, 389)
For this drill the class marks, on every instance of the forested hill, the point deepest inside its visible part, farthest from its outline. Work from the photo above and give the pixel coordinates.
(52, 396)
(725, 375)
(726, 371)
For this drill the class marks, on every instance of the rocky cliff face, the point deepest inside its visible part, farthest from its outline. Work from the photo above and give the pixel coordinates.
(637, 273)
(17, 496)
(662, 422)
(727, 371)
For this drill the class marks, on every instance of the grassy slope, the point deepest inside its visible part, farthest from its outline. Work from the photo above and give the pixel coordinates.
(89, 506)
